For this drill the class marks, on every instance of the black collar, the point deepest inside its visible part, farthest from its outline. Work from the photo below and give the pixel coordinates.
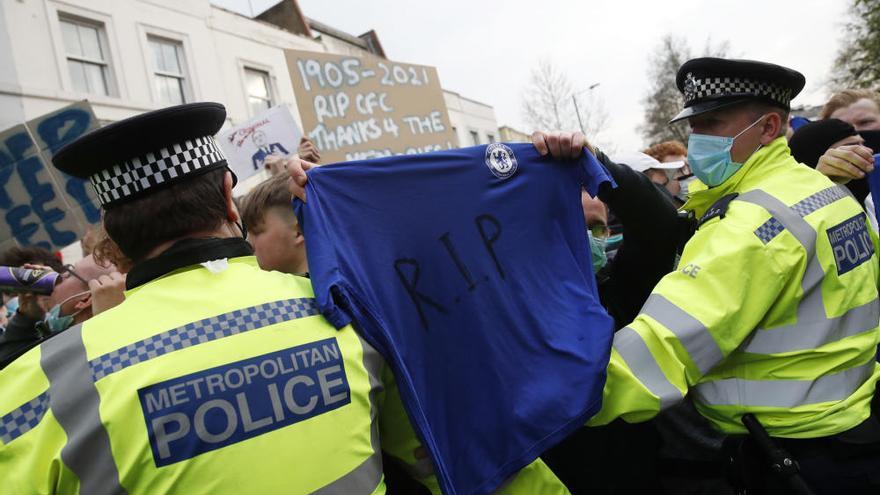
(185, 253)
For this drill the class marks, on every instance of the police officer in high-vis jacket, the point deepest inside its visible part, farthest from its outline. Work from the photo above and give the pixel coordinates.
(773, 309)
(213, 376)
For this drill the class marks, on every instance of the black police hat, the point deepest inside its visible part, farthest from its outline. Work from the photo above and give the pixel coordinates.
(129, 158)
(711, 83)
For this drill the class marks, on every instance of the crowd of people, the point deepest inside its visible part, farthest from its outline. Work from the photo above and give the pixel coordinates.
(738, 279)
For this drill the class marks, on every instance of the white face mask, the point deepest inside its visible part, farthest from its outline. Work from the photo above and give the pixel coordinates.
(685, 185)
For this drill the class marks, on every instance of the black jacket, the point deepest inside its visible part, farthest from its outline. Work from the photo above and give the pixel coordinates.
(602, 460)
(650, 241)
(21, 334)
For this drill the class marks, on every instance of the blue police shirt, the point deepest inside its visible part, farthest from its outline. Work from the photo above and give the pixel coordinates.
(469, 270)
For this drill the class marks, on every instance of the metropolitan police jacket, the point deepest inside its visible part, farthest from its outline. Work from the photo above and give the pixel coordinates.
(215, 377)
(773, 310)
(212, 377)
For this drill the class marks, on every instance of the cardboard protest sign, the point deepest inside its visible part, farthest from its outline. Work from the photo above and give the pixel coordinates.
(274, 132)
(356, 108)
(40, 205)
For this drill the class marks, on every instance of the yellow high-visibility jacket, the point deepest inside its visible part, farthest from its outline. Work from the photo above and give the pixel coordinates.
(204, 382)
(773, 310)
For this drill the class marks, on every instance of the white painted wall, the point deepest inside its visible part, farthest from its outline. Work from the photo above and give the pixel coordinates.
(217, 46)
(468, 116)
(335, 45)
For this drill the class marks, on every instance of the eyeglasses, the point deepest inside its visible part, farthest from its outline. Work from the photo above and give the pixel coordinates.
(68, 271)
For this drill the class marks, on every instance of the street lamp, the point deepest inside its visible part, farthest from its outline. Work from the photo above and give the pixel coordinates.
(576, 110)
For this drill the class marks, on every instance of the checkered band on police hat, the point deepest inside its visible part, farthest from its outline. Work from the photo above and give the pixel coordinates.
(698, 89)
(154, 169)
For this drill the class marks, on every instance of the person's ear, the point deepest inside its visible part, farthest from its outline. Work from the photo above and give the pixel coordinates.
(298, 236)
(85, 303)
(771, 128)
(231, 210)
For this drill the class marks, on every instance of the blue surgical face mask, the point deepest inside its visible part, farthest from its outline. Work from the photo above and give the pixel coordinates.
(709, 156)
(597, 251)
(58, 323)
(613, 242)
(11, 307)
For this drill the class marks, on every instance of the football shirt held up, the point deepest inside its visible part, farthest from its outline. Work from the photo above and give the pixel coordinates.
(469, 270)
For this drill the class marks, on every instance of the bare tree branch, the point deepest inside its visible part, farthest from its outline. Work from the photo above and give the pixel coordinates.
(547, 103)
(663, 100)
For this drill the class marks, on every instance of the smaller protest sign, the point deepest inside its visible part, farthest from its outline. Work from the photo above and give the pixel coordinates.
(247, 146)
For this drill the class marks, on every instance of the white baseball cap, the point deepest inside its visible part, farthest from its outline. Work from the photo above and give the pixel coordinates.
(641, 162)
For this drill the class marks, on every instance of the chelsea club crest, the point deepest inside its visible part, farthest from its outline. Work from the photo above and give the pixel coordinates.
(500, 160)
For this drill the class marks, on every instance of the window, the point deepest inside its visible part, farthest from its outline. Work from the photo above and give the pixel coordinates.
(87, 56)
(169, 75)
(475, 137)
(490, 137)
(259, 93)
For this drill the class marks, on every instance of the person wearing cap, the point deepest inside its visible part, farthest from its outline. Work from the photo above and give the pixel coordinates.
(773, 310)
(662, 174)
(213, 376)
(674, 152)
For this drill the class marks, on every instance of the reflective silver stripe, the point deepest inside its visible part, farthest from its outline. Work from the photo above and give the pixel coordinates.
(201, 331)
(23, 418)
(693, 335)
(813, 328)
(641, 362)
(785, 215)
(366, 476)
(812, 335)
(74, 401)
(771, 228)
(811, 307)
(784, 393)
(820, 200)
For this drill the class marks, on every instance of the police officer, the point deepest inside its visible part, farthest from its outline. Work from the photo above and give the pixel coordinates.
(774, 309)
(213, 376)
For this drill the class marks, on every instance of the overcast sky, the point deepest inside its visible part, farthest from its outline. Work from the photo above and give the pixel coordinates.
(485, 49)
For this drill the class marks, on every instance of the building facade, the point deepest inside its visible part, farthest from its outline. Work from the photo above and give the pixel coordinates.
(510, 135)
(473, 122)
(130, 56)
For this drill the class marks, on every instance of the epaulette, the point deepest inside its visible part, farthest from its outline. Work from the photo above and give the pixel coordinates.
(718, 209)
